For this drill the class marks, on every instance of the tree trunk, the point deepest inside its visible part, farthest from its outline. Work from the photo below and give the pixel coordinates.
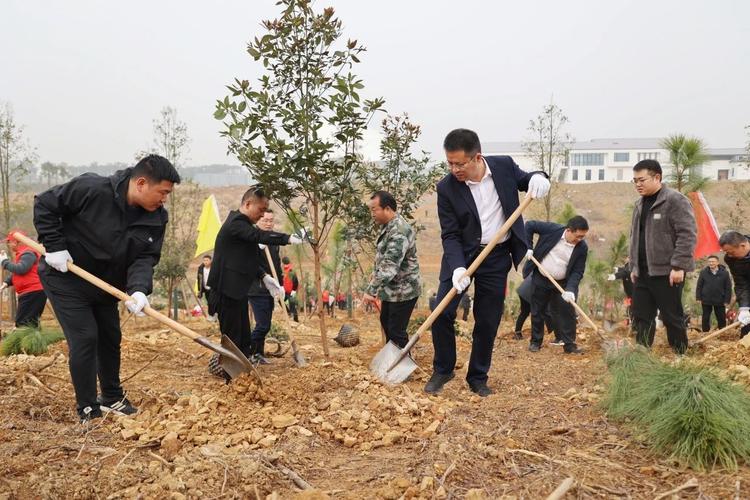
(318, 286)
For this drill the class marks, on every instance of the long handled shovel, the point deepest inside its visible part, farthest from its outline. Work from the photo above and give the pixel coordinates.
(609, 342)
(299, 359)
(717, 333)
(231, 358)
(391, 364)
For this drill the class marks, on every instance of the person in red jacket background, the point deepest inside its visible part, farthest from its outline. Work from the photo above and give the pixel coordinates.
(291, 284)
(25, 279)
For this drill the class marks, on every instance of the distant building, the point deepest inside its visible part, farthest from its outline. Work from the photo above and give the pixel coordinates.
(612, 160)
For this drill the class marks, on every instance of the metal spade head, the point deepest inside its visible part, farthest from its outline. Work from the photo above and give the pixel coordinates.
(232, 360)
(385, 358)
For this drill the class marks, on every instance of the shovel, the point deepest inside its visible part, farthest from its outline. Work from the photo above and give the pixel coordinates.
(606, 342)
(299, 359)
(391, 364)
(717, 333)
(231, 358)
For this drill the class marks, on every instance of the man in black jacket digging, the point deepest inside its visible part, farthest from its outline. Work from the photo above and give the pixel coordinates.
(237, 263)
(112, 227)
(714, 292)
(736, 247)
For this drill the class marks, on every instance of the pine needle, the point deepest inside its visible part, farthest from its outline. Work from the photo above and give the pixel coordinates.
(29, 340)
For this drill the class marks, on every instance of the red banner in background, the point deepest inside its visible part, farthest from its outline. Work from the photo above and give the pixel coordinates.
(708, 233)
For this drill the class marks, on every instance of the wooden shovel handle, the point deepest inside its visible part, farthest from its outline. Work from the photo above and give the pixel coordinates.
(717, 333)
(560, 289)
(100, 283)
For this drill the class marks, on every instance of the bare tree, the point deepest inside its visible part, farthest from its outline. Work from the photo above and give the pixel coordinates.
(16, 157)
(549, 145)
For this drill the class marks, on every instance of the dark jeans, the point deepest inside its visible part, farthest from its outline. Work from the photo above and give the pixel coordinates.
(651, 293)
(489, 296)
(544, 297)
(292, 304)
(394, 318)
(526, 312)
(721, 316)
(30, 308)
(262, 312)
(91, 324)
(234, 321)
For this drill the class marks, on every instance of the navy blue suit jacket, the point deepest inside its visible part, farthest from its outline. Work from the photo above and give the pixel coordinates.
(461, 230)
(549, 234)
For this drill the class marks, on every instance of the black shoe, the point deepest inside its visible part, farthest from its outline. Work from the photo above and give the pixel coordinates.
(89, 413)
(534, 347)
(481, 389)
(518, 336)
(119, 407)
(574, 350)
(259, 359)
(437, 381)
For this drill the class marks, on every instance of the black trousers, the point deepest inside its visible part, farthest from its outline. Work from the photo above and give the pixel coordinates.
(292, 305)
(526, 312)
(394, 318)
(262, 312)
(651, 293)
(544, 297)
(91, 324)
(721, 316)
(30, 308)
(490, 280)
(234, 321)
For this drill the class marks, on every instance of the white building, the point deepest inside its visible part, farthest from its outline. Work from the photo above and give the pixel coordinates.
(612, 160)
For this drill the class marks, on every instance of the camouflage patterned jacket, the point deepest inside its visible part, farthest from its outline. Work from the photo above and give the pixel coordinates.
(395, 277)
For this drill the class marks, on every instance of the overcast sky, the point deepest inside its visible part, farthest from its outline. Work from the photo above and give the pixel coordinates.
(87, 78)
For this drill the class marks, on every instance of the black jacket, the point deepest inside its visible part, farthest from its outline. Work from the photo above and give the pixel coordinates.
(199, 280)
(460, 228)
(89, 217)
(237, 258)
(258, 288)
(714, 289)
(549, 235)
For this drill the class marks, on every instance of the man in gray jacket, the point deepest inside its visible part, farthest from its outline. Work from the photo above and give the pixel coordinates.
(662, 240)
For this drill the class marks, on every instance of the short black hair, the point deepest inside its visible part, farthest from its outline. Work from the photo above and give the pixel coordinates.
(255, 191)
(285, 260)
(652, 166)
(156, 168)
(713, 257)
(732, 238)
(578, 223)
(385, 199)
(462, 139)
(207, 256)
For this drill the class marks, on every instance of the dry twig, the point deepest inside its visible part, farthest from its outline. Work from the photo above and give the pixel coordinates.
(691, 483)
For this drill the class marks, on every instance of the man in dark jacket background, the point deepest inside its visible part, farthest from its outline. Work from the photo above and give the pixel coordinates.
(112, 227)
(714, 292)
(563, 253)
(204, 270)
(237, 263)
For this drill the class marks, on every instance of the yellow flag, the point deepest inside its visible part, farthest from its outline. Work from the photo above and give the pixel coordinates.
(208, 226)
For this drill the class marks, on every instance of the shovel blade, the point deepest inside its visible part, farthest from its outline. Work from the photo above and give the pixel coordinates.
(232, 360)
(297, 356)
(385, 358)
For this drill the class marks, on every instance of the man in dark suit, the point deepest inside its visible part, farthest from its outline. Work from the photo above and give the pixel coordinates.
(562, 253)
(203, 272)
(473, 201)
(237, 262)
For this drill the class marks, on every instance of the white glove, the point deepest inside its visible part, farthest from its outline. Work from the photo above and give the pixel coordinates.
(59, 260)
(293, 293)
(261, 246)
(3, 256)
(137, 302)
(615, 269)
(459, 283)
(568, 297)
(744, 316)
(3, 286)
(529, 253)
(295, 240)
(273, 286)
(611, 277)
(538, 186)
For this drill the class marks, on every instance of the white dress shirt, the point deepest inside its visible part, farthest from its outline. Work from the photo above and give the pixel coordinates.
(556, 261)
(491, 215)
(206, 271)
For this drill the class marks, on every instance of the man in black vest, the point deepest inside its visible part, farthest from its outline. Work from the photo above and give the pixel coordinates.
(562, 253)
(736, 247)
(237, 262)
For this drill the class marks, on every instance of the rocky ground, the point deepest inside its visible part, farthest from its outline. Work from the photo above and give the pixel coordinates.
(332, 430)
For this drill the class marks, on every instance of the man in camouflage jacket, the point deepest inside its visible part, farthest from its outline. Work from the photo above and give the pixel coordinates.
(395, 276)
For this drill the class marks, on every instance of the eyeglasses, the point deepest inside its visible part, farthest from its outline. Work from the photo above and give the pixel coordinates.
(640, 180)
(459, 166)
